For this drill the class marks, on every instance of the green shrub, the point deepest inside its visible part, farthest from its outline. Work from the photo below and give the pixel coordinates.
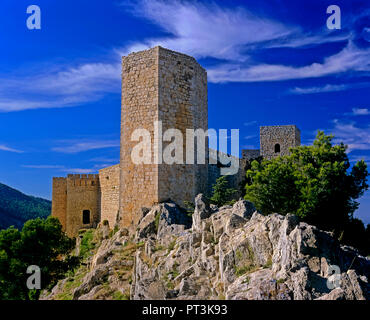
(41, 243)
(314, 182)
(222, 193)
(189, 207)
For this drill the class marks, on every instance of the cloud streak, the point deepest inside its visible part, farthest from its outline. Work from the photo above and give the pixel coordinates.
(64, 87)
(329, 88)
(349, 59)
(360, 111)
(8, 149)
(64, 169)
(355, 137)
(76, 146)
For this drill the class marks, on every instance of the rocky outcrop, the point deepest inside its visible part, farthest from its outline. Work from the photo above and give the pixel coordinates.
(232, 252)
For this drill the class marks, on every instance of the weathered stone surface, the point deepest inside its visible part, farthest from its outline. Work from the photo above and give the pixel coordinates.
(244, 209)
(224, 255)
(335, 294)
(147, 226)
(202, 211)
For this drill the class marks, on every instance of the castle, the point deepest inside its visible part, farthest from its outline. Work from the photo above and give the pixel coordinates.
(157, 85)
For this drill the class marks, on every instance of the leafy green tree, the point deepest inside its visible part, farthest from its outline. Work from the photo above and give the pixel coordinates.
(315, 182)
(222, 193)
(40, 242)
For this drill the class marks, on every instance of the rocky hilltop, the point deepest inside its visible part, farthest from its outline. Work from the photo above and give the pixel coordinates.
(232, 252)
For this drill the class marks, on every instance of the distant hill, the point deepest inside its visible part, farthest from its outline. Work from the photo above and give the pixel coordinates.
(16, 207)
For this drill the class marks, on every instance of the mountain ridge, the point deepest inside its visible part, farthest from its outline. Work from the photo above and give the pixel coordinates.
(16, 207)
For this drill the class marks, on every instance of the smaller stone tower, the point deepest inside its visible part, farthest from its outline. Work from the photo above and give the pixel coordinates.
(277, 140)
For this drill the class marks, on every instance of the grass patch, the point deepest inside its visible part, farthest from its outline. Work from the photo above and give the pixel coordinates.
(158, 248)
(87, 244)
(72, 283)
(239, 271)
(174, 272)
(156, 221)
(118, 295)
(140, 244)
(170, 285)
(171, 246)
(248, 265)
(268, 263)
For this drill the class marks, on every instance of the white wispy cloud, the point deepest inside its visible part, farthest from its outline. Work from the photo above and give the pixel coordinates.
(60, 87)
(9, 149)
(103, 159)
(64, 169)
(76, 146)
(359, 158)
(250, 137)
(250, 123)
(200, 29)
(79, 170)
(205, 29)
(355, 137)
(42, 166)
(349, 59)
(329, 88)
(360, 111)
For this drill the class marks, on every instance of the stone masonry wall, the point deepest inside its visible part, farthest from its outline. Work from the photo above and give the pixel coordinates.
(59, 203)
(83, 193)
(182, 105)
(159, 85)
(286, 136)
(139, 183)
(249, 154)
(109, 186)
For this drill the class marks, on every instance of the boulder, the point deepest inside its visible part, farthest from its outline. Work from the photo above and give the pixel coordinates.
(244, 209)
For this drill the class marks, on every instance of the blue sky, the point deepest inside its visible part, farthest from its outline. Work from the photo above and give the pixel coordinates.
(268, 62)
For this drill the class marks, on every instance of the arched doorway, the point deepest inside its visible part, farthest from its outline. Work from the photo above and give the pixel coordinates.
(277, 148)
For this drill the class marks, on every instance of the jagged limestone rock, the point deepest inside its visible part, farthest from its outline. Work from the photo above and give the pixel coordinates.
(231, 252)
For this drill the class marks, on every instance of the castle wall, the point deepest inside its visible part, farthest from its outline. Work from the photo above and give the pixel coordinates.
(109, 186)
(249, 154)
(139, 183)
(159, 85)
(83, 193)
(286, 136)
(182, 105)
(59, 203)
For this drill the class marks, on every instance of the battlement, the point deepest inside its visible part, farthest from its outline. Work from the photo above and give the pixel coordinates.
(56, 179)
(83, 176)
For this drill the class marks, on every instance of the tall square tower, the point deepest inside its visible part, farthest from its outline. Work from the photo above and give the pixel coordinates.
(277, 140)
(170, 87)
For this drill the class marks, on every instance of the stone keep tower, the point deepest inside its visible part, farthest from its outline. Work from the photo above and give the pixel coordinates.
(160, 85)
(276, 140)
(76, 202)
